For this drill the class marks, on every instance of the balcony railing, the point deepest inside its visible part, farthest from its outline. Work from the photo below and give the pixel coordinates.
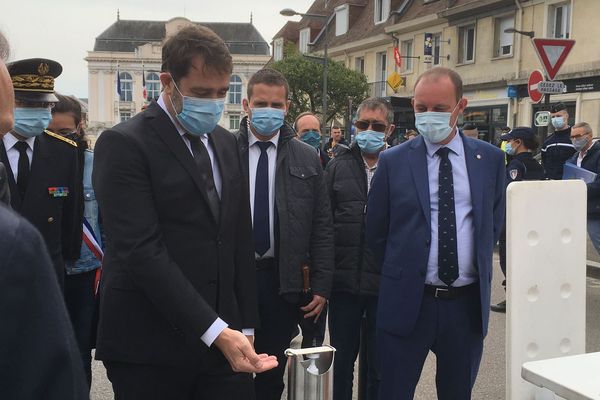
(378, 89)
(125, 105)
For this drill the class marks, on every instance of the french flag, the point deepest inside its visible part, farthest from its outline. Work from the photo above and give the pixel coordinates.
(92, 243)
(144, 92)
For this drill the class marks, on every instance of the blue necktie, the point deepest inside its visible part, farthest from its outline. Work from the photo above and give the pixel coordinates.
(261, 226)
(447, 248)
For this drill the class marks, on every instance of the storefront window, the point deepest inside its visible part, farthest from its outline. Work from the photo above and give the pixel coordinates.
(488, 120)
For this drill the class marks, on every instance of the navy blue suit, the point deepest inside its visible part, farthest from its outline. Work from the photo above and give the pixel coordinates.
(399, 233)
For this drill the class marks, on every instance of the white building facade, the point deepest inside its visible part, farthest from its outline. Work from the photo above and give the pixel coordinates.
(128, 54)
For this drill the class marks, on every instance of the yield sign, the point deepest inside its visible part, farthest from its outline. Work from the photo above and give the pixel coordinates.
(552, 53)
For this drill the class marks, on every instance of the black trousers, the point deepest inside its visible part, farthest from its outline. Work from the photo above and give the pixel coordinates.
(278, 319)
(155, 382)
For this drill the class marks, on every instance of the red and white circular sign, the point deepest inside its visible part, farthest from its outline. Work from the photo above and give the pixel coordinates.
(532, 86)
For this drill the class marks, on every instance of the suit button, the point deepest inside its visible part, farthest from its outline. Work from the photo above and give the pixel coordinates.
(423, 272)
(428, 242)
(212, 283)
(50, 220)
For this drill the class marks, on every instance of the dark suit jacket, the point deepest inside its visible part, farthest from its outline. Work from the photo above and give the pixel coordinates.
(54, 164)
(39, 357)
(170, 268)
(4, 189)
(399, 227)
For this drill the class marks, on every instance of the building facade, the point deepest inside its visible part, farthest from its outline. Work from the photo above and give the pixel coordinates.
(470, 37)
(127, 56)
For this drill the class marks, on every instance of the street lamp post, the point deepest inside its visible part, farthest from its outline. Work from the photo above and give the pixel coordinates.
(288, 12)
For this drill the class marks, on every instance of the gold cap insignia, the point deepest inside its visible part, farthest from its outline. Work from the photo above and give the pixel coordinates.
(43, 69)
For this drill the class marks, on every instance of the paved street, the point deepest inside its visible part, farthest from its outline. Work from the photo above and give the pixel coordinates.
(491, 380)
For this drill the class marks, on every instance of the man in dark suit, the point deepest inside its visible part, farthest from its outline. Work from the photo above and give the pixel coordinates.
(39, 357)
(42, 166)
(179, 283)
(292, 222)
(435, 212)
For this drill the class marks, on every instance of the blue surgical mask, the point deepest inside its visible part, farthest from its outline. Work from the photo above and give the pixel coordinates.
(434, 126)
(267, 120)
(580, 143)
(30, 122)
(508, 149)
(558, 122)
(370, 141)
(312, 138)
(198, 115)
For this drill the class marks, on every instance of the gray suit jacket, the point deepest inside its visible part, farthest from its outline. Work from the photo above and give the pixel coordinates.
(4, 190)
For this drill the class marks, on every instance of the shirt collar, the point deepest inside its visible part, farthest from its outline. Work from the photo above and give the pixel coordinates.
(456, 145)
(10, 140)
(163, 105)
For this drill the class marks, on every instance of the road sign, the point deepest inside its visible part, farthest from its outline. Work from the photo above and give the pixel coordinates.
(397, 57)
(542, 118)
(552, 53)
(395, 80)
(551, 87)
(532, 86)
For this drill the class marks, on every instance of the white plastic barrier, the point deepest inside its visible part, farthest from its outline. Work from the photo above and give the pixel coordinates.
(546, 277)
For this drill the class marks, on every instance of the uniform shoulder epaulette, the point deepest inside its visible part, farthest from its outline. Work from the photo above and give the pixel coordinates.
(59, 137)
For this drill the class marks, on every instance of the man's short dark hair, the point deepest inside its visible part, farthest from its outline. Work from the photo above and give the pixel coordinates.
(469, 127)
(269, 77)
(336, 127)
(179, 51)
(377, 103)
(439, 72)
(4, 48)
(68, 105)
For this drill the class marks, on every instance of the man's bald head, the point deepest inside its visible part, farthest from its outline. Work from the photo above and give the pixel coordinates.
(7, 95)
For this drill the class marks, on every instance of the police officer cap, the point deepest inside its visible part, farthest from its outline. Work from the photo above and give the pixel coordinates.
(33, 79)
(522, 132)
(558, 107)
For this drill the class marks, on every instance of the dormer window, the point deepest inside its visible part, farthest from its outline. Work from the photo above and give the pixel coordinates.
(341, 20)
(304, 40)
(382, 10)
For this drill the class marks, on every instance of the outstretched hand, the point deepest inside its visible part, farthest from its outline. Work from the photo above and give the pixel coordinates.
(240, 353)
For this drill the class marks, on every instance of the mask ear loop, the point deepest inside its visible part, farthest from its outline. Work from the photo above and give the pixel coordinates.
(171, 98)
(456, 121)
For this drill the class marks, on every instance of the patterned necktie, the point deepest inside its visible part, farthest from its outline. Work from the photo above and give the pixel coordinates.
(447, 248)
(202, 159)
(23, 167)
(260, 223)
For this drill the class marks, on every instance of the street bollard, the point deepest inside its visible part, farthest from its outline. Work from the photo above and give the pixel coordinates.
(546, 277)
(310, 373)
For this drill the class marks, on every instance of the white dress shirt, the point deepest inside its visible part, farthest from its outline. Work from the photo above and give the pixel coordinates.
(13, 154)
(465, 230)
(219, 325)
(253, 156)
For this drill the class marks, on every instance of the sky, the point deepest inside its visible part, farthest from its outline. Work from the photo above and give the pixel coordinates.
(64, 30)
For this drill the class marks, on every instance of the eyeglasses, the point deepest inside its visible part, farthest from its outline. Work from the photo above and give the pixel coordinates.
(375, 125)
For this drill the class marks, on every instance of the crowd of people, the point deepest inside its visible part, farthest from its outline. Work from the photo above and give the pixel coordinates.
(188, 256)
